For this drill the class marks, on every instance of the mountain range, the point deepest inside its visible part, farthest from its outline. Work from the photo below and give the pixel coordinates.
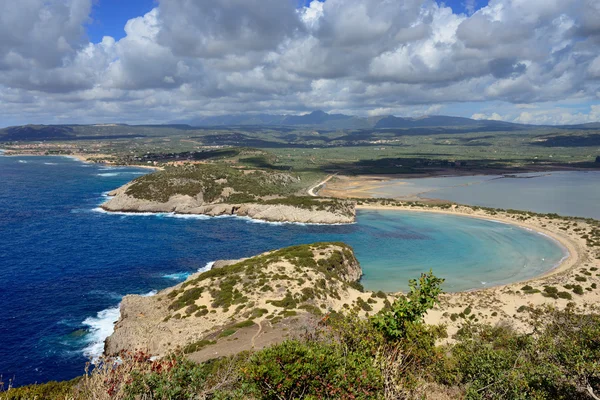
(322, 120)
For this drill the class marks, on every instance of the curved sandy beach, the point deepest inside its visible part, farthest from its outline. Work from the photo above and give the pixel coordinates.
(509, 303)
(571, 247)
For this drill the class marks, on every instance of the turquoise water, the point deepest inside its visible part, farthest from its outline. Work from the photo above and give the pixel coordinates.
(572, 193)
(64, 266)
(468, 252)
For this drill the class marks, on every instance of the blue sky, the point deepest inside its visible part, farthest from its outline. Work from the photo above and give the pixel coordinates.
(110, 16)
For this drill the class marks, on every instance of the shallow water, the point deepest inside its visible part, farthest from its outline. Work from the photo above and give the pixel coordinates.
(64, 266)
(569, 193)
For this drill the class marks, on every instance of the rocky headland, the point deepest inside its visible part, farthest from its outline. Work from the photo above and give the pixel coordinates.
(245, 304)
(216, 190)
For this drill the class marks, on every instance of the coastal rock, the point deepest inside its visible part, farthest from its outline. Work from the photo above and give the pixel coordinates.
(302, 282)
(185, 204)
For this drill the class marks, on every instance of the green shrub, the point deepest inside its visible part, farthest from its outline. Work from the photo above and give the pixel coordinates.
(196, 346)
(565, 295)
(410, 310)
(295, 369)
(47, 391)
(363, 305)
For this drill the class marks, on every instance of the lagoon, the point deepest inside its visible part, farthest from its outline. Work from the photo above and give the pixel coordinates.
(567, 193)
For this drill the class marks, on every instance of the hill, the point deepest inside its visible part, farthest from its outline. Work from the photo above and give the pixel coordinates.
(211, 189)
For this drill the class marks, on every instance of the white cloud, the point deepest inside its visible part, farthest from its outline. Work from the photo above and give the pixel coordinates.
(491, 117)
(189, 57)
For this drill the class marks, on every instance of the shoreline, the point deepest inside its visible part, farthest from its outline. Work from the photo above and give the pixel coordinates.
(367, 186)
(571, 254)
(510, 303)
(246, 218)
(84, 158)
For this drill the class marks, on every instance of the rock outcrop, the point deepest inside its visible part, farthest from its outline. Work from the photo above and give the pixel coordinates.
(253, 293)
(121, 201)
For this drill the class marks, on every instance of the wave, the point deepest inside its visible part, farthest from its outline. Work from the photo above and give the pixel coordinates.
(111, 174)
(248, 220)
(101, 327)
(182, 276)
(50, 163)
(23, 161)
(207, 267)
(186, 216)
(127, 214)
(178, 276)
(73, 158)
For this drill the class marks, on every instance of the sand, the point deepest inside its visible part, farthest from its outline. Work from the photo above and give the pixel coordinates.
(506, 303)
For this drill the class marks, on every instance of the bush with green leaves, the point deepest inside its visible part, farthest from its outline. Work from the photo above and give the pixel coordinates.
(297, 369)
(410, 310)
(561, 362)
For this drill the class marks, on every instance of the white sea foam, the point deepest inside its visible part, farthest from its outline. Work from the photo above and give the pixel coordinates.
(50, 163)
(207, 217)
(111, 174)
(127, 214)
(178, 276)
(23, 161)
(100, 327)
(207, 267)
(187, 216)
(181, 276)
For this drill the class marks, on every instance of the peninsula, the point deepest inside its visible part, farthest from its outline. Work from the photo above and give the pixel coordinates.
(213, 189)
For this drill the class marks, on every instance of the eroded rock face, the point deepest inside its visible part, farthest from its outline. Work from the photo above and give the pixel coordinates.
(184, 204)
(308, 279)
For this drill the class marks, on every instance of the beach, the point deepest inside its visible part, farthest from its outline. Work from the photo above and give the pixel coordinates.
(510, 303)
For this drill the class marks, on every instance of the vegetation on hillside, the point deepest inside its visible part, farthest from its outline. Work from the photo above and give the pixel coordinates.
(348, 357)
(217, 183)
(211, 180)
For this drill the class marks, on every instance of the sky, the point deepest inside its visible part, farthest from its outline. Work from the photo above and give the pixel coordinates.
(161, 61)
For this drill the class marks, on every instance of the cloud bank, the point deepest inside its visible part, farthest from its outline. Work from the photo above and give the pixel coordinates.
(538, 59)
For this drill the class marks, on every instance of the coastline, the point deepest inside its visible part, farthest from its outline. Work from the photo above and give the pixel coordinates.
(571, 256)
(84, 158)
(246, 218)
(510, 303)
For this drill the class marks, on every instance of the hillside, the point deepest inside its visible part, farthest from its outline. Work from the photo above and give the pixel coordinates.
(249, 301)
(212, 189)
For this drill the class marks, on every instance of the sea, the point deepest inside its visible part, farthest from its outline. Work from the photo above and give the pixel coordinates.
(65, 265)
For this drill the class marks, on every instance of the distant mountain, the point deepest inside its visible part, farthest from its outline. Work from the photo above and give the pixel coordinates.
(591, 125)
(317, 120)
(36, 132)
(440, 121)
(322, 120)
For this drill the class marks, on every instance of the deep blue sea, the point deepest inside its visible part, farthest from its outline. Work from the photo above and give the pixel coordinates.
(64, 266)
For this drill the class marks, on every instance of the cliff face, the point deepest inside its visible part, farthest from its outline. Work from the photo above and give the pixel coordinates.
(343, 213)
(256, 294)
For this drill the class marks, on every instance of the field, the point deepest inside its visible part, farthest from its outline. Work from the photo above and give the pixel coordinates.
(361, 151)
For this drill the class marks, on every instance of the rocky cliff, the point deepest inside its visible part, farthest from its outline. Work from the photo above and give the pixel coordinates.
(256, 294)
